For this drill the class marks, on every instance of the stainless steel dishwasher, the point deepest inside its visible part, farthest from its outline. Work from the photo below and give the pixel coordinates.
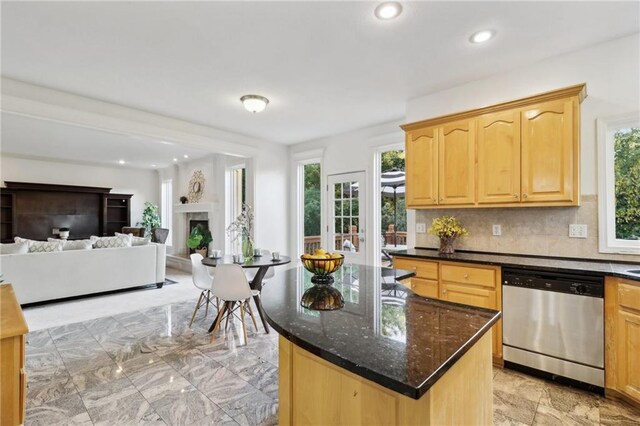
(554, 322)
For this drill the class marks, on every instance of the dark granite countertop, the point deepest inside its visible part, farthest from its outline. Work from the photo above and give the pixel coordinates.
(528, 262)
(385, 332)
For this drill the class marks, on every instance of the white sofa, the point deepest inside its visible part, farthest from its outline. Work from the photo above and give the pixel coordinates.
(38, 277)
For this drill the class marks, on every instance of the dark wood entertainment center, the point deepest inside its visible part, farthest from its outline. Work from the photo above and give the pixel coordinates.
(33, 210)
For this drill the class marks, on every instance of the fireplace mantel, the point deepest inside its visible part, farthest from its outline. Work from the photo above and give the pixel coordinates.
(209, 208)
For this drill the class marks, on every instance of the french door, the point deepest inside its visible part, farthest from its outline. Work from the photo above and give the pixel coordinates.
(346, 216)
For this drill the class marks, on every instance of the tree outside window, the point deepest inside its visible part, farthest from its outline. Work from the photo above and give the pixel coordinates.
(627, 183)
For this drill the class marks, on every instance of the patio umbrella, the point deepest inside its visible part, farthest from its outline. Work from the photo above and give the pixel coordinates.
(393, 184)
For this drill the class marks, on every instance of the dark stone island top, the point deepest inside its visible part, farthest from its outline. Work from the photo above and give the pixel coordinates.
(384, 333)
(600, 267)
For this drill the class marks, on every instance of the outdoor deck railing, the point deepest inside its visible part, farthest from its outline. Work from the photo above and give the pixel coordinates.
(312, 243)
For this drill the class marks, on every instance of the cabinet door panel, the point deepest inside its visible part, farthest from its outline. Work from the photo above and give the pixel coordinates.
(422, 167)
(628, 349)
(499, 158)
(456, 163)
(423, 268)
(425, 288)
(549, 151)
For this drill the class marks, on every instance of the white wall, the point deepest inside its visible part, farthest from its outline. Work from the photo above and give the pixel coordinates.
(343, 153)
(143, 184)
(611, 71)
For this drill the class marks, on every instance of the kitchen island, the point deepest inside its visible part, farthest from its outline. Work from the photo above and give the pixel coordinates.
(388, 357)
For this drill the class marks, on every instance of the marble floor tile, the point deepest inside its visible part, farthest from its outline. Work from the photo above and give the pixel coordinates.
(84, 358)
(263, 376)
(109, 394)
(70, 334)
(107, 327)
(223, 387)
(254, 409)
(44, 392)
(160, 383)
(214, 419)
(99, 376)
(192, 364)
(512, 382)
(133, 410)
(514, 406)
(546, 415)
(39, 339)
(577, 404)
(67, 410)
(618, 413)
(502, 420)
(189, 407)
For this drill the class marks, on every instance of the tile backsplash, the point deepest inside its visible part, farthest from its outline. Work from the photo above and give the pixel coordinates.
(536, 230)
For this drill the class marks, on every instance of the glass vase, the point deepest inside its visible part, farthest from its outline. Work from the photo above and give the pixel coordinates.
(446, 245)
(247, 247)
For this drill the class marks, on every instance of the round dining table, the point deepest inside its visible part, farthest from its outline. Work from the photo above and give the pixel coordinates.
(263, 263)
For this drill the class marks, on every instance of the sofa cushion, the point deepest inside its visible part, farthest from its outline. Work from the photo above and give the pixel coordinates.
(137, 241)
(73, 244)
(121, 240)
(40, 246)
(15, 248)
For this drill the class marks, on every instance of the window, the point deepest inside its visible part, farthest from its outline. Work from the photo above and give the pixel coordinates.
(311, 206)
(237, 197)
(166, 207)
(619, 184)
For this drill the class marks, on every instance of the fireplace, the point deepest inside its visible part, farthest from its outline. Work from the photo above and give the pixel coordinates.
(192, 223)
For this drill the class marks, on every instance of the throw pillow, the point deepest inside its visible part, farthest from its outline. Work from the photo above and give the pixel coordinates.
(137, 241)
(40, 246)
(15, 248)
(73, 244)
(121, 240)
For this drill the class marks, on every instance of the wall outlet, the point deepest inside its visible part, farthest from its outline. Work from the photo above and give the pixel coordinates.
(577, 231)
(421, 228)
(55, 231)
(497, 230)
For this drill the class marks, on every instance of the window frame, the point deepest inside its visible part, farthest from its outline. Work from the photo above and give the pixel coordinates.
(606, 127)
(166, 208)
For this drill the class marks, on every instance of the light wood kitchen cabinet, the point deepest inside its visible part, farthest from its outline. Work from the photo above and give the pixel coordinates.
(422, 167)
(456, 163)
(622, 337)
(13, 379)
(469, 284)
(522, 153)
(550, 147)
(498, 148)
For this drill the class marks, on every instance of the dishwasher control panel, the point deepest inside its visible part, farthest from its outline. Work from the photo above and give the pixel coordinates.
(578, 284)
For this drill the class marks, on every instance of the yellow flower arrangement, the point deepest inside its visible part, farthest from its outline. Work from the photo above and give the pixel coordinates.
(447, 227)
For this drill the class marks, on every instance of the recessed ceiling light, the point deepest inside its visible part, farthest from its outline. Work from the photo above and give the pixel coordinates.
(153, 165)
(175, 159)
(254, 103)
(185, 156)
(121, 161)
(482, 36)
(388, 10)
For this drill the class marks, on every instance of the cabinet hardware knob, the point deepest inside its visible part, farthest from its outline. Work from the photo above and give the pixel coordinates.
(524, 195)
(441, 199)
(466, 276)
(515, 195)
(444, 291)
(413, 285)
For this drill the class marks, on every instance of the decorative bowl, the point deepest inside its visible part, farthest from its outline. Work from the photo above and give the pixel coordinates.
(322, 268)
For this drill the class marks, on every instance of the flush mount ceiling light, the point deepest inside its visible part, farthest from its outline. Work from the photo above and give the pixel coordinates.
(482, 36)
(175, 159)
(121, 161)
(388, 10)
(254, 103)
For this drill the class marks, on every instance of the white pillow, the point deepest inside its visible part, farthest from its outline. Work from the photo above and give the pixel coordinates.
(73, 244)
(121, 240)
(137, 241)
(40, 246)
(15, 248)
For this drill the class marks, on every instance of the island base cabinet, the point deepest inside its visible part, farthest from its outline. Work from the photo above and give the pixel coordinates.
(313, 391)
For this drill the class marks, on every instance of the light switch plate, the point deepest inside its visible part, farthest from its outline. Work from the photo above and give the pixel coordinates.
(421, 228)
(577, 231)
(497, 230)
(55, 231)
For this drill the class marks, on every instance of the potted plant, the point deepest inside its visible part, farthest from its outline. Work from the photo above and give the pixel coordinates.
(447, 228)
(183, 200)
(199, 239)
(150, 218)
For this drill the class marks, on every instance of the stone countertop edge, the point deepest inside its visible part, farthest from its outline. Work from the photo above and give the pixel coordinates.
(602, 267)
(402, 388)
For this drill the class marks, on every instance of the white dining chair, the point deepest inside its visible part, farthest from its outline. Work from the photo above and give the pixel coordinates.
(231, 287)
(251, 272)
(203, 281)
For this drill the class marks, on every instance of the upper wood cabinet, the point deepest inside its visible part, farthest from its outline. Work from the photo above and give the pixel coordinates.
(498, 147)
(422, 167)
(456, 155)
(549, 151)
(522, 153)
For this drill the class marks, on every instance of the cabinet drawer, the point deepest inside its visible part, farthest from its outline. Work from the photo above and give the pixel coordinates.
(629, 296)
(425, 288)
(423, 268)
(469, 275)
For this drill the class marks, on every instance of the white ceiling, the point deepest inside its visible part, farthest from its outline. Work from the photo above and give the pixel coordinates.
(36, 138)
(327, 67)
